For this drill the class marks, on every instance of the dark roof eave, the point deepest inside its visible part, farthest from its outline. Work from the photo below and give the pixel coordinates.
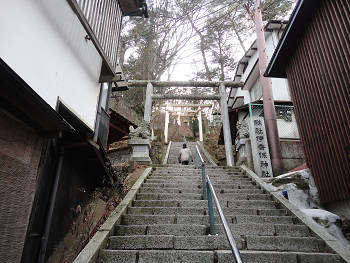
(302, 14)
(134, 8)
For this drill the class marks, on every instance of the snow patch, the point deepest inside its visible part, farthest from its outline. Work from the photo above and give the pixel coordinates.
(307, 201)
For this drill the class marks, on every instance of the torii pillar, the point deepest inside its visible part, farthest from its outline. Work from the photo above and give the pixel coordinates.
(148, 103)
(200, 125)
(226, 125)
(166, 126)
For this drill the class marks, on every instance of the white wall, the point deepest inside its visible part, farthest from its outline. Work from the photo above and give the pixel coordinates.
(256, 90)
(43, 42)
(279, 86)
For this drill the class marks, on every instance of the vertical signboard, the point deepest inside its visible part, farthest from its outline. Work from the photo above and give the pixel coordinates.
(260, 148)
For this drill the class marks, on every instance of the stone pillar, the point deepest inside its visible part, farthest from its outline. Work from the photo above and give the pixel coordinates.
(166, 126)
(178, 119)
(148, 103)
(200, 125)
(226, 125)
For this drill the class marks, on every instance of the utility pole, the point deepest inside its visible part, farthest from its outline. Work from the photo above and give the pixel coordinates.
(269, 107)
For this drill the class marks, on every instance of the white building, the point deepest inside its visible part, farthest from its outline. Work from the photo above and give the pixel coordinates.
(58, 64)
(246, 104)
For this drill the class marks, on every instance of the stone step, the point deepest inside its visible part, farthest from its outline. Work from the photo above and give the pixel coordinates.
(197, 181)
(146, 190)
(204, 204)
(203, 229)
(218, 242)
(266, 229)
(166, 211)
(192, 172)
(249, 256)
(197, 172)
(222, 256)
(139, 219)
(182, 196)
(216, 185)
(173, 196)
(162, 229)
(203, 211)
(169, 242)
(192, 168)
(196, 177)
(235, 219)
(198, 191)
(199, 186)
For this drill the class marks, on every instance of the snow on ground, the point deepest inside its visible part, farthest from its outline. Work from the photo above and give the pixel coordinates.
(302, 192)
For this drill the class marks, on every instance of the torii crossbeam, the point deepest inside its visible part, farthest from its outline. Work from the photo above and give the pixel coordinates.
(221, 85)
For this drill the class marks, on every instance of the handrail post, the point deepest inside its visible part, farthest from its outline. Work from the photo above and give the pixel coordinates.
(197, 159)
(204, 183)
(211, 211)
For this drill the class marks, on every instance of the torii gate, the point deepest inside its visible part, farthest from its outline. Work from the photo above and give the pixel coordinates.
(187, 106)
(215, 84)
(191, 113)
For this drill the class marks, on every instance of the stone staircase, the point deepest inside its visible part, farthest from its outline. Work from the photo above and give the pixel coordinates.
(175, 149)
(168, 222)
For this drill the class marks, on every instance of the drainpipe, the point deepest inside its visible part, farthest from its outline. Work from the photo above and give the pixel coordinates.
(269, 107)
(51, 206)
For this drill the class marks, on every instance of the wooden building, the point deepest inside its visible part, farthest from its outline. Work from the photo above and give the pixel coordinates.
(58, 64)
(314, 55)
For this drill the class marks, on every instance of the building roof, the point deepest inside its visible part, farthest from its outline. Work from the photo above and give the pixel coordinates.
(134, 7)
(242, 64)
(301, 16)
(118, 126)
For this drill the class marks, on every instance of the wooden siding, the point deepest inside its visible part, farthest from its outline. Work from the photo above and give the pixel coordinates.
(102, 20)
(319, 78)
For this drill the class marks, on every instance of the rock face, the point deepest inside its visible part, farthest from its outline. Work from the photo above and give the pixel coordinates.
(243, 129)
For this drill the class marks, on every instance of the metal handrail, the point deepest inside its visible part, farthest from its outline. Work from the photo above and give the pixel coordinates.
(199, 155)
(228, 232)
(209, 193)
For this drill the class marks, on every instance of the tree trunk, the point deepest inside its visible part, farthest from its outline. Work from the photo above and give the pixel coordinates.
(207, 71)
(239, 38)
(221, 61)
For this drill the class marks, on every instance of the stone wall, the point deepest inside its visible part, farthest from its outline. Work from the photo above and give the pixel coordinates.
(20, 152)
(292, 154)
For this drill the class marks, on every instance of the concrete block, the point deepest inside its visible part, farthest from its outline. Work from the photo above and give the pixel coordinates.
(251, 204)
(141, 242)
(203, 242)
(169, 196)
(258, 257)
(133, 230)
(148, 219)
(177, 230)
(318, 258)
(292, 230)
(264, 219)
(170, 191)
(113, 256)
(165, 211)
(155, 203)
(248, 229)
(175, 256)
(303, 244)
(273, 212)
